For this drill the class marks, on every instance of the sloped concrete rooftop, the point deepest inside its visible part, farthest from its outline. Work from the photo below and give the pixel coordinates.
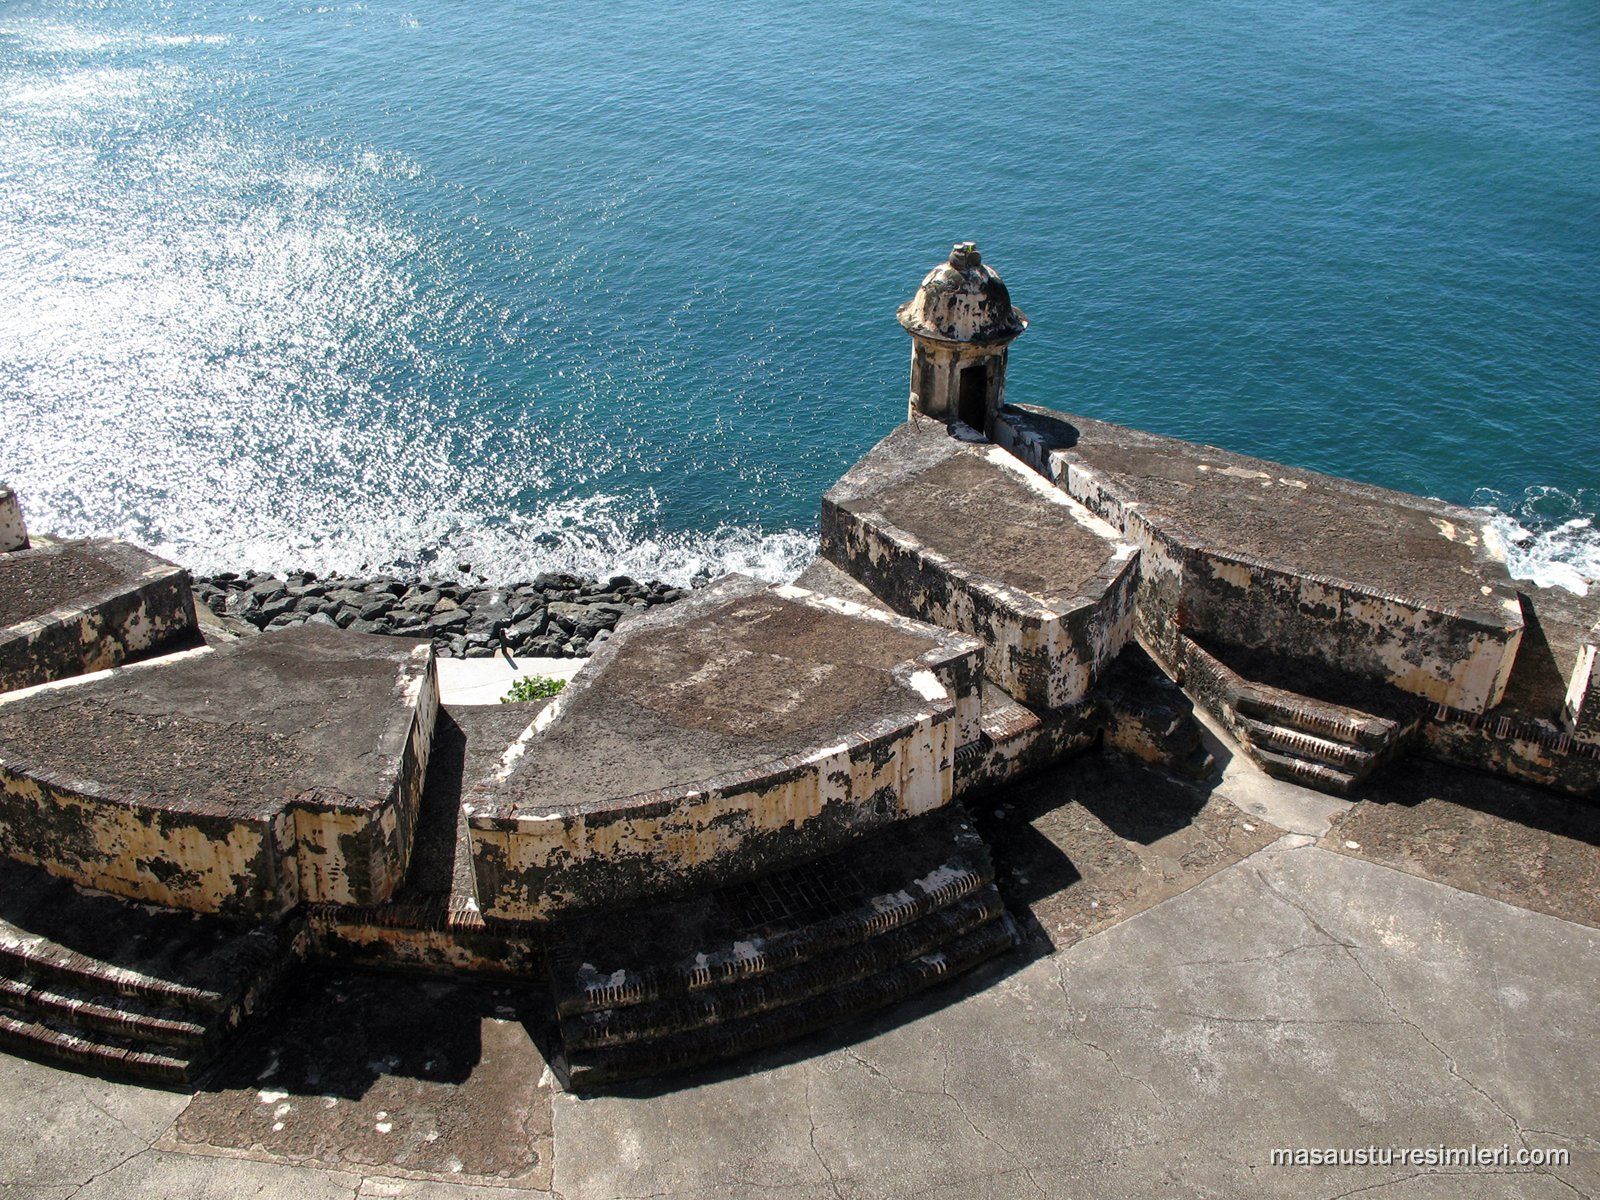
(963, 535)
(236, 730)
(970, 504)
(169, 780)
(68, 607)
(1313, 524)
(743, 725)
(751, 677)
(46, 577)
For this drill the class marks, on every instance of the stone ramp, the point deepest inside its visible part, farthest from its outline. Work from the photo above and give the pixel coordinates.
(1367, 591)
(665, 987)
(124, 988)
(72, 607)
(735, 731)
(961, 535)
(238, 780)
(433, 923)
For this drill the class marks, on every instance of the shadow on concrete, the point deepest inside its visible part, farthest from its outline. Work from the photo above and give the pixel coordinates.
(1521, 845)
(1052, 429)
(439, 829)
(1135, 802)
(354, 1071)
(1101, 837)
(337, 1032)
(1415, 782)
(833, 1038)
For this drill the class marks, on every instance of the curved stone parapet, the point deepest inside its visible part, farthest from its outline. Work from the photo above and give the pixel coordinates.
(71, 607)
(735, 731)
(963, 536)
(237, 780)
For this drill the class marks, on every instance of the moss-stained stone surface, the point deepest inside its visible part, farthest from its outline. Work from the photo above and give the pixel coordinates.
(728, 733)
(426, 1080)
(1368, 587)
(235, 780)
(964, 536)
(1500, 839)
(70, 607)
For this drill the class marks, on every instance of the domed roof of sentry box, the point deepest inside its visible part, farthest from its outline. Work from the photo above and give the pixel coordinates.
(964, 301)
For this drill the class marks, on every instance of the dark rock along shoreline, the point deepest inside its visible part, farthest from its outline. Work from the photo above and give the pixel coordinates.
(550, 616)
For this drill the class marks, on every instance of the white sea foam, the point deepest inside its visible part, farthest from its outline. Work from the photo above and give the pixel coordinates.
(1550, 535)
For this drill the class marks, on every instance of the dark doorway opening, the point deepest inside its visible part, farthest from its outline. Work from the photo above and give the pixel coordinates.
(972, 405)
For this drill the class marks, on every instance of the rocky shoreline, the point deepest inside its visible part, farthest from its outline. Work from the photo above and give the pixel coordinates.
(551, 615)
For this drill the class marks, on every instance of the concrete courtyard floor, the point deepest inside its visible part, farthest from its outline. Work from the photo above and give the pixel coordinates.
(1211, 973)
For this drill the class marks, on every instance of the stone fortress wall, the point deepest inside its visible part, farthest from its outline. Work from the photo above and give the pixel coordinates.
(748, 815)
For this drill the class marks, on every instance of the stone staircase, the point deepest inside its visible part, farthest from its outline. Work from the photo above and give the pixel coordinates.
(665, 987)
(1316, 743)
(130, 989)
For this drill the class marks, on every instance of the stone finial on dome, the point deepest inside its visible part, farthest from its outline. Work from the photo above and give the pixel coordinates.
(961, 321)
(964, 301)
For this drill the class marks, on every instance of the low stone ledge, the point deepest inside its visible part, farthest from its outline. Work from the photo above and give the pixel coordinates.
(74, 607)
(766, 725)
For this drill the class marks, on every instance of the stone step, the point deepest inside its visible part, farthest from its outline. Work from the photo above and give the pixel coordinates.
(963, 536)
(613, 1064)
(72, 607)
(779, 921)
(775, 989)
(653, 990)
(127, 1017)
(100, 1052)
(1305, 772)
(1293, 743)
(1014, 740)
(1313, 742)
(1206, 672)
(126, 987)
(70, 939)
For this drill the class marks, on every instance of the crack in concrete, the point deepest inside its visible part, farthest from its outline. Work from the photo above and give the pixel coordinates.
(944, 1087)
(811, 1121)
(1061, 983)
(1351, 949)
(116, 1166)
(1257, 958)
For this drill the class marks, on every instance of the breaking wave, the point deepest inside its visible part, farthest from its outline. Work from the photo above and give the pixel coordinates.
(1550, 535)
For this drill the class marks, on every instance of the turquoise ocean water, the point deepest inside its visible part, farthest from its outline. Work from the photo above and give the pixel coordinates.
(612, 286)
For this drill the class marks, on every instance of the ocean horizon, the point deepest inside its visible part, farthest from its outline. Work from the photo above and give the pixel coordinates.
(375, 286)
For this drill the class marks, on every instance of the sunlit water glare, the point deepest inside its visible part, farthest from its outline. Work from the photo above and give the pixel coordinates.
(543, 287)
